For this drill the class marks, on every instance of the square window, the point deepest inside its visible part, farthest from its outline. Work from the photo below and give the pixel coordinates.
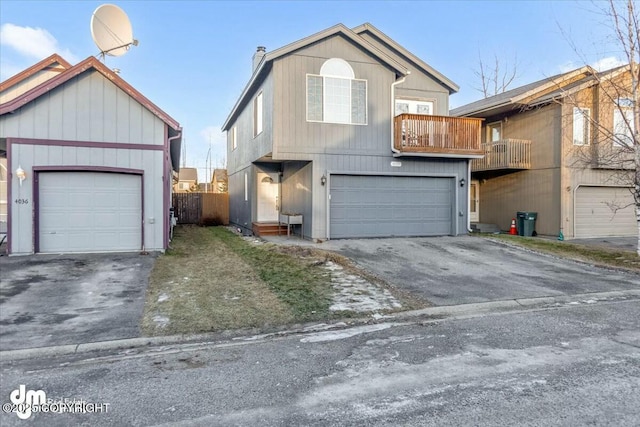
(336, 100)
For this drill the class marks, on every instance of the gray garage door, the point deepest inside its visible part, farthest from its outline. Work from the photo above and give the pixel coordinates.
(597, 216)
(89, 212)
(384, 206)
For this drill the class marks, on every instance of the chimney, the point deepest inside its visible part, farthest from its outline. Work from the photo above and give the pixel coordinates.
(257, 57)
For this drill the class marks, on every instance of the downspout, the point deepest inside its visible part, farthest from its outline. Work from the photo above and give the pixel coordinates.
(469, 196)
(168, 171)
(393, 110)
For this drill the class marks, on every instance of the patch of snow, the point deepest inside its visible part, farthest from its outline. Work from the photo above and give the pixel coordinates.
(346, 333)
(353, 293)
(161, 321)
(379, 316)
(163, 297)
(324, 327)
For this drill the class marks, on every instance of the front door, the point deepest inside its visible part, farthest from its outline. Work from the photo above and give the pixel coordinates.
(267, 197)
(474, 201)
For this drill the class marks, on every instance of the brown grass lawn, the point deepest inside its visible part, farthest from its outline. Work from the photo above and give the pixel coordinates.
(213, 280)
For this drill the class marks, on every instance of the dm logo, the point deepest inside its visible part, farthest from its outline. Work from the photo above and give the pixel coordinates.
(25, 400)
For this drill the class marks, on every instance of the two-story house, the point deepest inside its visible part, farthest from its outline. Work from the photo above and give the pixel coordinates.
(556, 147)
(350, 130)
(187, 181)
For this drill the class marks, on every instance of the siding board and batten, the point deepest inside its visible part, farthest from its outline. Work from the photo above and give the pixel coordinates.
(566, 184)
(101, 159)
(353, 158)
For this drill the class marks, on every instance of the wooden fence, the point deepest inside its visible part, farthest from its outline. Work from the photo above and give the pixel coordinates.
(192, 208)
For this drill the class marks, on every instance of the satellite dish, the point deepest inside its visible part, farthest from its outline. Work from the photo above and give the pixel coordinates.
(111, 30)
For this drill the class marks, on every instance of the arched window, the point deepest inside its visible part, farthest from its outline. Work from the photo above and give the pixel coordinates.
(335, 95)
(336, 67)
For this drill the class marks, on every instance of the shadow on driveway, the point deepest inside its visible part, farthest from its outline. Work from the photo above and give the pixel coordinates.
(48, 300)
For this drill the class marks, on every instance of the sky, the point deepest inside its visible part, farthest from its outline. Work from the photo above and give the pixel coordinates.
(194, 57)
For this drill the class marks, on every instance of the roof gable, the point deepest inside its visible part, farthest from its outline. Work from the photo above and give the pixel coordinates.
(53, 62)
(536, 93)
(401, 51)
(265, 64)
(90, 63)
(188, 174)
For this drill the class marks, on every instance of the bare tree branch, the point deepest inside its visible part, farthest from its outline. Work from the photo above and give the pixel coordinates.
(494, 80)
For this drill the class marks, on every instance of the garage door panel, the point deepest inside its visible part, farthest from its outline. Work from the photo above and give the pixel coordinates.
(378, 206)
(89, 212)
(596, 214)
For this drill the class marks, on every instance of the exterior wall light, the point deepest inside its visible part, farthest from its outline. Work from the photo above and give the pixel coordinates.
(21, 174)
(323, 180)
(462, 181)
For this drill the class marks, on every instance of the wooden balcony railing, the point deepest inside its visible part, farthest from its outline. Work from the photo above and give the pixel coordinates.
(504, 154)
(424, 134)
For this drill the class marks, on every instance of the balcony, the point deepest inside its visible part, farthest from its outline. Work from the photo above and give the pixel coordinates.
(506, 154)
(438, 136)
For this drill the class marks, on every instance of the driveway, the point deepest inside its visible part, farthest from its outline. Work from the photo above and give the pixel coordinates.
(48, 300)
(465, 269)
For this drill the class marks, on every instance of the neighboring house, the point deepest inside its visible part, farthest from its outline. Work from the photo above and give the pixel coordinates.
(549, 149)
(350, 130)
(187, 180)
(89, 161)
(3, 195)
(205, 187)
(219, 181)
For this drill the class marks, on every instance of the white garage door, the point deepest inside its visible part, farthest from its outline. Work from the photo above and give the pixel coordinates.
(595, 216)
(89, 212)
(385, 206)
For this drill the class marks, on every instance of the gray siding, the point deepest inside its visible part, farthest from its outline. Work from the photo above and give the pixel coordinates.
(331, 148)
(297, 190)
(417, 84)
(28, 156)
(86, 108)
(28, 84)
(294, 137)
(250, 148)
(537, 189)
(241, 210)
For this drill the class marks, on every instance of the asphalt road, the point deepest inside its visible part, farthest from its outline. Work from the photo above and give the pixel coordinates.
(570, 364)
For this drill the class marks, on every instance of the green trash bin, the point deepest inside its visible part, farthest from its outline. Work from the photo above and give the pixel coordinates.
(527, 223)
(520, 222)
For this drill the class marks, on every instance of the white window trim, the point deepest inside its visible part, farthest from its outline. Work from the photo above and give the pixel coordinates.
(586, 125)
(234, 138)
(491, 126)
(324, 87)
(246, 187)
(415, 101)
(258, 114)
(624, 111)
